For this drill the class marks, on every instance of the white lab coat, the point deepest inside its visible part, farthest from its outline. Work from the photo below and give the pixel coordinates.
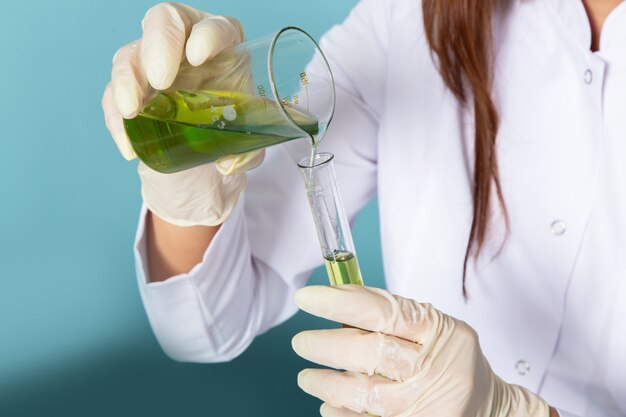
(550, 305)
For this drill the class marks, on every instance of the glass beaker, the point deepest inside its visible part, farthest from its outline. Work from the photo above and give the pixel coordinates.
(330, 220)
(259, 93)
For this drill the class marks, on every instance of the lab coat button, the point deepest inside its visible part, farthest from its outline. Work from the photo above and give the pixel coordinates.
(588, 76)
(558, 227)
(522, 367)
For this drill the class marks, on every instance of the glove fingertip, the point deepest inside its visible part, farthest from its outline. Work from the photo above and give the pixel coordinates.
(127, 101)
(123, 144)
(211, 36)
(161, 73)
(198, 50)
(225, 165)
(238, 164)
(160, 60)
(325, 410)
(129, 154)
(308, 298)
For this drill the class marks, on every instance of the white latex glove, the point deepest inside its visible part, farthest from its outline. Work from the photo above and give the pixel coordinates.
(175, 36)
(409, 360)
(200, 196)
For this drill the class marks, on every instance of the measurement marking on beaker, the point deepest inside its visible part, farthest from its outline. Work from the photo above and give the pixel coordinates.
(305, 82)
(261, 91)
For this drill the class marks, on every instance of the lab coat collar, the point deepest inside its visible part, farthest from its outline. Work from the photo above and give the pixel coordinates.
(614, 30)
(575, 20)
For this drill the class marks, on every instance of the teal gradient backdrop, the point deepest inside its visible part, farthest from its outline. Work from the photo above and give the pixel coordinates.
(74, 340)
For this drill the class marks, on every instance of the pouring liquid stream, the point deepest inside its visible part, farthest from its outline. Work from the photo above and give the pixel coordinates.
(309, 177)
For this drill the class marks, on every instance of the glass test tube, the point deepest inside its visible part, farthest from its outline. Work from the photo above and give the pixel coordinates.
(330, 219)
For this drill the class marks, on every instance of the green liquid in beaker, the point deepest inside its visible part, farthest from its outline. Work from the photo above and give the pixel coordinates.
(343, 268)
(182, 129)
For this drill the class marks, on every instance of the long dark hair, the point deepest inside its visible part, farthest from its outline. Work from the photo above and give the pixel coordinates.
(459, 33)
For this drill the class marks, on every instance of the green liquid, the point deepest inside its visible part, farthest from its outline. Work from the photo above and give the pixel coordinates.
(343, 268)
(181, 129)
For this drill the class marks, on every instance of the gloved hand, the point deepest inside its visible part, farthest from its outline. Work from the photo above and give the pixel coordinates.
(409, 360)
(175, 37)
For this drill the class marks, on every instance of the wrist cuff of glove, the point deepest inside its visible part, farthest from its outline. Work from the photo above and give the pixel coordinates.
(200, 196)
(210, 218)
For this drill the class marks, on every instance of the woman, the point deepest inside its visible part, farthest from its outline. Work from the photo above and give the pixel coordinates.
(522, 238)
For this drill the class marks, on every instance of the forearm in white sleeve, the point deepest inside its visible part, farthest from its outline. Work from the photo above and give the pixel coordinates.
(212, 313)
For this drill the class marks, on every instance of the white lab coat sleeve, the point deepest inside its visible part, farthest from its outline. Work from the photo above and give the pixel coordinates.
(563, 413)
(178, 308)
(268, 247)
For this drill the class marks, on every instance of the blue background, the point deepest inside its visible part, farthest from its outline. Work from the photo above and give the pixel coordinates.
(74, 339)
